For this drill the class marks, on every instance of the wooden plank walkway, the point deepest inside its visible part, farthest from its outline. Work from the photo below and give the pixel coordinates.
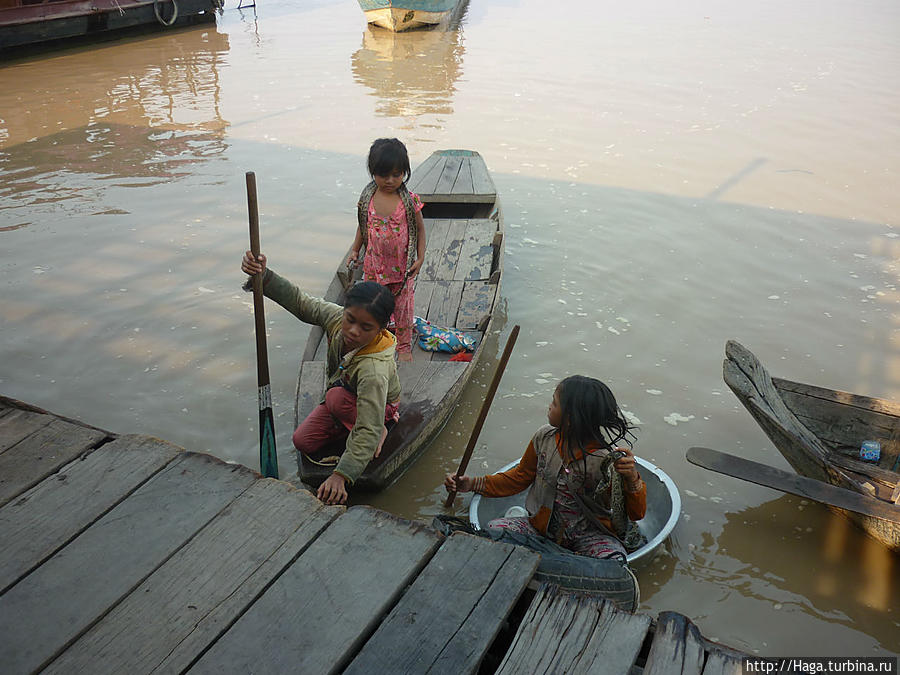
(135, 556)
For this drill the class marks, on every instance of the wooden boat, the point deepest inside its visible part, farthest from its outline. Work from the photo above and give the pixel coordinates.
(819, 432)
(400, 15)
(663, 507)
(47, 22)
(457, 287)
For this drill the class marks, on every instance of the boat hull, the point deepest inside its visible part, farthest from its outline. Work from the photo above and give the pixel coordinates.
(404, 15)
(50, 24)
(458, 286)
(663, 508)
(819, 432)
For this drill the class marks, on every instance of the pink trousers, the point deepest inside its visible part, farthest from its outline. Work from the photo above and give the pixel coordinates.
(332, 421)
(404, 302)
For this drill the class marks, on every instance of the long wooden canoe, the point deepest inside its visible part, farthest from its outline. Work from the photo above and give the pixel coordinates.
(458, 287)
(819, 432)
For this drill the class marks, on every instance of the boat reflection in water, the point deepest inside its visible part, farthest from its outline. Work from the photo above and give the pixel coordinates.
(117, 116)
(411, 73)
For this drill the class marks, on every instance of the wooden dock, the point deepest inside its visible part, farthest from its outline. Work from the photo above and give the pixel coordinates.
(126, 554)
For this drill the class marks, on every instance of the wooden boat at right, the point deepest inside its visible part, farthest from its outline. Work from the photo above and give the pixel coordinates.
(400, 15)
(819, 432)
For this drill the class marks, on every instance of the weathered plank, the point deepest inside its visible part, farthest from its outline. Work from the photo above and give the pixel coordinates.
(482, 183)
(62, 598)
(574, 633)
(422, 299)
(463, 184)
(316, 615)
(436, 241)
(722, 663)
(445, 301)
(57, 509)
(425, 178)
(17, 424)
(677, 647)
(447, 258)
(186, 604)
(448, 175)
(450, 615)
(476, 304)
(410, 375)
(310, 388)
(42, 453)
(477, 252)
(438, 378)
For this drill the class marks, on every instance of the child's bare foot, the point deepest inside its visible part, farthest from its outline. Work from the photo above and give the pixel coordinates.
(405, 357)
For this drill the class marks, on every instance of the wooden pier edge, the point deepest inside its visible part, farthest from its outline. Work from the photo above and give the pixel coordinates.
(125, 553)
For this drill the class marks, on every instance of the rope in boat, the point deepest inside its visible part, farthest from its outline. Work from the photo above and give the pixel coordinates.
(164, 22)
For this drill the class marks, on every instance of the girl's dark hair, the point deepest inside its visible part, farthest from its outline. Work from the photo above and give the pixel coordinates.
(374, 298)
(590, 414)
(388, 155)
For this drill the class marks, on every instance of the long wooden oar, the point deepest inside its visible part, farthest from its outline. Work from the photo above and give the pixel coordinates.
(268, 455)
(495, 382)
(769, 476)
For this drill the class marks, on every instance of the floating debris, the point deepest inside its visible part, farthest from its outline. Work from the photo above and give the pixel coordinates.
(675, 418)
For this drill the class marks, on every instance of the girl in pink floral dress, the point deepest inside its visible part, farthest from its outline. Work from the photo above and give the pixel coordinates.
(393, 233)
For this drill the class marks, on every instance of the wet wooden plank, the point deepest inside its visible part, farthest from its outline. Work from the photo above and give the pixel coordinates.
(477, 251)
(425, 177)
(445, 301)
(310, 388)
(586, 633)
(315, 616)
(435, 241)
(447, 259)
(722, 663)
(34, 526)
(449, 174)
(62, 598)
(452, 612)
(411, 375)
(17, 424)
(185, 605)
(677, 647)
(475, 305)
(42, 453)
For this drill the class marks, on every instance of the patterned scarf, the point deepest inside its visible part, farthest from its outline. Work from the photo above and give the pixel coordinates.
(362, 214)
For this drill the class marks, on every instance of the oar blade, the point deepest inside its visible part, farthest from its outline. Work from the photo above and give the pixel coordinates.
(268, 454)
(769, 476)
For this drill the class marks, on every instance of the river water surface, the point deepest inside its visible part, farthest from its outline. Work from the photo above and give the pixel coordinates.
(672, 175)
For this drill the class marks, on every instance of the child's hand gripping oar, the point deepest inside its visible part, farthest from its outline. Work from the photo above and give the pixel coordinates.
(467, 455)
(268, 456)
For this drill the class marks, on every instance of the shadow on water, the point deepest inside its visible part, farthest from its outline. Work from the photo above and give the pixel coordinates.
(797, 556)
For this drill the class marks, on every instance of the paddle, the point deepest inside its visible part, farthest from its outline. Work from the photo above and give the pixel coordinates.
(467, 455)
(769, 476)
(268, 456)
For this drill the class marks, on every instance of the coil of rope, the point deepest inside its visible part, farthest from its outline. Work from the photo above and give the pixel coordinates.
(171, 20)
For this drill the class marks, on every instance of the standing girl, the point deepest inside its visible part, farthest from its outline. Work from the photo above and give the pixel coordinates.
(585, 492)
(363, 392)
(393, 233)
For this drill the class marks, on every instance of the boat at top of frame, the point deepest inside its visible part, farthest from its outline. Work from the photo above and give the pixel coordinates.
(401, 15)
(458, 287)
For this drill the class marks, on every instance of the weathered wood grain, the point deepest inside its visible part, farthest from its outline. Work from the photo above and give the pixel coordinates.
(445, 301)
(475, 305)
(436, 242)
(426, 176)
(448, 175)
(677, 647)
(62, 598)
(450, 615)
(42, 453)
(463, 184)
(565, 632)
(310, 388)
(477, 251)
(39, 522)
(186, 604)
(17, 424)
(722, 663)
(482, 183)
(447, 258)
(316, 615)
(422, 300)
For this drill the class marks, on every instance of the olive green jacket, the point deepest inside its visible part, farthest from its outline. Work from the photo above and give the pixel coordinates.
(370, 373)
